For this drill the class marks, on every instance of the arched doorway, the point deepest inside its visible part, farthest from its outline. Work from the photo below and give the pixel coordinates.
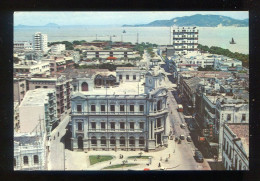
(84, 86)
(80, 143)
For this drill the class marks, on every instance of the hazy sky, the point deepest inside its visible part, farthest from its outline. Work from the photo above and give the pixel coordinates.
(110, 18)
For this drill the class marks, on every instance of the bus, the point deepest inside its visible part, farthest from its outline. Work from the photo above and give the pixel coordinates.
(180, 108)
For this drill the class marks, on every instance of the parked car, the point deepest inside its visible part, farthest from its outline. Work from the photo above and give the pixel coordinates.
(183, 126)
(198, 156)
(188, 138)
(182, 137)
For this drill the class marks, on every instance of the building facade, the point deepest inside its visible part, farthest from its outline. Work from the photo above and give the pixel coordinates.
(108, 53)
(57, 48)
(120, 118)
(185, 39)
(23, 45)
(235, 153)
(40, 42)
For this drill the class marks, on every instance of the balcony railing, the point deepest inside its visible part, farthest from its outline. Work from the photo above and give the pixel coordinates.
(162, 111)
(115, 130)
(107, 113)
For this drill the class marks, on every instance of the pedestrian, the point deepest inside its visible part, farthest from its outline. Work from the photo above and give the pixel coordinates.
(159, 165)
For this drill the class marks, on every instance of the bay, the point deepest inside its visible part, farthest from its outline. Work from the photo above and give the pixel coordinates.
(210, 36)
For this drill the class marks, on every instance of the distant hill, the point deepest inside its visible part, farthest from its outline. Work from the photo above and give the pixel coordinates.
(196, 20)
(28, 26)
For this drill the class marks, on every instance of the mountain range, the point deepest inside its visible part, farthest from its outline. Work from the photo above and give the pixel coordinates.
(196, 20)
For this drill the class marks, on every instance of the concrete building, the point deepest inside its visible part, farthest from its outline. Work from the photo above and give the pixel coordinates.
(42, 67)
(235, 154)
(40, 42)
(57, 48)
(128, 74)
(63, 90)
(23, 45)
(20, 87)
(39, 104)
(16, 117)
(131, 116)
(30, 151)
(227, 64)
(185, 39)
(108, 53)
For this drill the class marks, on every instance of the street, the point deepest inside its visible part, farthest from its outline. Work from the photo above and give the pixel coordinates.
(56, 155)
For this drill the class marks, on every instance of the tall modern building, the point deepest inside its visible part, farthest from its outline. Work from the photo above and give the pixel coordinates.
(40, 42)
(185, 39)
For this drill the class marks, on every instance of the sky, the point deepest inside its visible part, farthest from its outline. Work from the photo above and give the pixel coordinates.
(110, 18)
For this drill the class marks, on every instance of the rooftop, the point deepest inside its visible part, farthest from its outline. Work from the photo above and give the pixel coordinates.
(192, 83)
(207, 74)
(241, 131)
(27, 139)
(36, 97)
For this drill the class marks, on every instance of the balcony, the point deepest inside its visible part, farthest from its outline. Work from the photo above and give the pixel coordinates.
(115, 130)
(158, 129)
(79, 131)
(156, 113)
(209, 113)
(107, 113)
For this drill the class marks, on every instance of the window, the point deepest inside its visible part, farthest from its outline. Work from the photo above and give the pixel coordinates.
(93, 125)
(35, 159)
(132, 141)
(235, 162)
(103, 125)
(127, 77)
(80, 126)
(122, 108)
(45, 87)
(103, 107)
(141, 125)
(93, 108)
(132, 108)
(79, 109)
(25, 160)
(141, 141)
(103, 140)
(122, 141)
(14, 162)
(112, 108)
(132, 125)
(134, 77)
(240, 165)
(158, 123)
(112, 125)
(228, 117)
(224, 144)
(120, 77)
(93, 140)
(141, 108)
(243, 117)
(112, 140)
(122, 125)
(36, 87)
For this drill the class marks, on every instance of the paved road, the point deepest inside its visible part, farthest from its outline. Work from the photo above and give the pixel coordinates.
(56, 155)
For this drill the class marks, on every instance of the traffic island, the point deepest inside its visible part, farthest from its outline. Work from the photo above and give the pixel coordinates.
(93, 159)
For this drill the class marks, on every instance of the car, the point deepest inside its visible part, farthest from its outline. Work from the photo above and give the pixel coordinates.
(183, 126)
(182, 137)
(198, 156)
(188, 138)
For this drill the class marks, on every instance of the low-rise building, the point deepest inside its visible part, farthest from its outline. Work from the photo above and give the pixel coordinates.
(39, 104)
(128, 74)
(235, 152)
(57, 48)
(36, 68)
(108, 53)
(227, 64)
(23, 45)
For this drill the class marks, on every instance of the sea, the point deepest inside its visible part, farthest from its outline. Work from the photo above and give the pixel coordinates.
(210, 36)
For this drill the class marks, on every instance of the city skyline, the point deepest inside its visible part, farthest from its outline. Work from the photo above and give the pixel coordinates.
(110, 18)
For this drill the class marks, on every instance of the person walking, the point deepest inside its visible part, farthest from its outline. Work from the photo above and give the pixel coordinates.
(159, 165)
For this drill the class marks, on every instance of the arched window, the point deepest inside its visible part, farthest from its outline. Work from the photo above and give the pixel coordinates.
(93, 140)
(141, 141)
(122, 141)
(240, 165)
(132, 141)
(14, 162)
(103, 140)
(35, 159)
(25, 160)
(112, 140)
(84, 86)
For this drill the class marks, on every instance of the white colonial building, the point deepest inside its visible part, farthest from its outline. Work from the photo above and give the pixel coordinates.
(235, 154)
(131, 116)
(57, 48)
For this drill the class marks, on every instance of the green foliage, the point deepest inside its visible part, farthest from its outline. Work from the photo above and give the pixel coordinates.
(99, 158)
(221, 51)
(121, 165)
(16, 60)
(207, 68)
(68, 45)
(141, 47)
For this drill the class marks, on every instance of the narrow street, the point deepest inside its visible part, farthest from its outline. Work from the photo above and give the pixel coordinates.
(56, 156)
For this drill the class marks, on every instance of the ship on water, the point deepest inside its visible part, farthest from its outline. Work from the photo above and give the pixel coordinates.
(232, 41)
(124, 31)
